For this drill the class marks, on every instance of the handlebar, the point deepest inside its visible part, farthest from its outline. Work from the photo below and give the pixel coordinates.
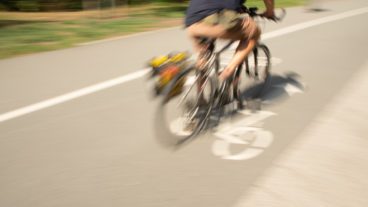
(252, 11)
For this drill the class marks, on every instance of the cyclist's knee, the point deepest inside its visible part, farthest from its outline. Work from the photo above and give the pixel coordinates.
(256, 34)
(251, 30)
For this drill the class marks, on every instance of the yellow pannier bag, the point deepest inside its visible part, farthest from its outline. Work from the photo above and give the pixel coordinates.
(165, 68)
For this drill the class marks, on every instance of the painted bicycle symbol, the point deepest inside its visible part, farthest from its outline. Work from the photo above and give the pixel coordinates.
(245, 134)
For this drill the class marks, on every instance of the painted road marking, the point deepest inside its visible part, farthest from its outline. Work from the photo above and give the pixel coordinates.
(71, 96)
(290, 88)
(253, 139)
(313, 23)
(125, 78)
(247, 133)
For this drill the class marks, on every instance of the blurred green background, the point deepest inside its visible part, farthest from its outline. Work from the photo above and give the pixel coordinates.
(28, 26)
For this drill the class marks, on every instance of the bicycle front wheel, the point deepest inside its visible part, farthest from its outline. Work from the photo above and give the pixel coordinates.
(186, 105)
(253, 82)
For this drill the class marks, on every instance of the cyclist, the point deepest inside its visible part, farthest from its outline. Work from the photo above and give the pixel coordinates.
(221, 19)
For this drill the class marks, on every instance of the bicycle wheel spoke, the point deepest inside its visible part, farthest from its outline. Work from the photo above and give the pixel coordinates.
(187, 91)
(186, 113)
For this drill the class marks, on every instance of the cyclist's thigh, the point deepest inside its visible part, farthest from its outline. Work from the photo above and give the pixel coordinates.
(206, 30)
(245, 29)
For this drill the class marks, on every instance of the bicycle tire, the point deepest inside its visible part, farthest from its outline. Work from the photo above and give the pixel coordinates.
(256, 77)
(179, 110)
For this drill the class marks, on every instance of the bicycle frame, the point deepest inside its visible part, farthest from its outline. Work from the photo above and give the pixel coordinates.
(202, 104)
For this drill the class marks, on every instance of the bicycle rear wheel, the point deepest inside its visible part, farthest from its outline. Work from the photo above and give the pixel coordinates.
(253, 82)
(184, 113)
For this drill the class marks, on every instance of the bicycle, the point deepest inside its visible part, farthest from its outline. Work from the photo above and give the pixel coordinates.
(202, 95)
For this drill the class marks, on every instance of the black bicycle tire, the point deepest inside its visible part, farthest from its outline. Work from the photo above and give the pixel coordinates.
(267, 69)
(166, 99)
(261, 87)
(204, 120)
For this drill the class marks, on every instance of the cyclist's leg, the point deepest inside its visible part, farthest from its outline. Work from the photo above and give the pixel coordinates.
(248, 33)
(242, 51)
(203, 29)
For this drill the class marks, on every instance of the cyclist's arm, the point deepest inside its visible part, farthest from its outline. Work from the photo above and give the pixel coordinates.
(270, 5)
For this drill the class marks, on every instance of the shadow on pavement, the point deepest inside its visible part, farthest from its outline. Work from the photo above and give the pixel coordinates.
(282, 87)
(279, 88)
(315, 10)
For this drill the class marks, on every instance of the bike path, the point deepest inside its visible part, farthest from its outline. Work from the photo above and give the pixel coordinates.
(327, 164)
(34, 78)
(100, 149)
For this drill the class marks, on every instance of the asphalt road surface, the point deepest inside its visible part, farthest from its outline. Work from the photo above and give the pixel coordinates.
(77, 126)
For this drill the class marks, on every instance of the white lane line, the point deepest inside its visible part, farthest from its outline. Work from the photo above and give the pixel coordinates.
(125, 78)
(313, 23)
(71, 95)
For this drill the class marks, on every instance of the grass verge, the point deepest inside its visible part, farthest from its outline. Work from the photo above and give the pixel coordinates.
(24, 33)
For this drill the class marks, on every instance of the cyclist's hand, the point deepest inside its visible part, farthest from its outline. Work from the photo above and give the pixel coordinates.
(269, 14)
